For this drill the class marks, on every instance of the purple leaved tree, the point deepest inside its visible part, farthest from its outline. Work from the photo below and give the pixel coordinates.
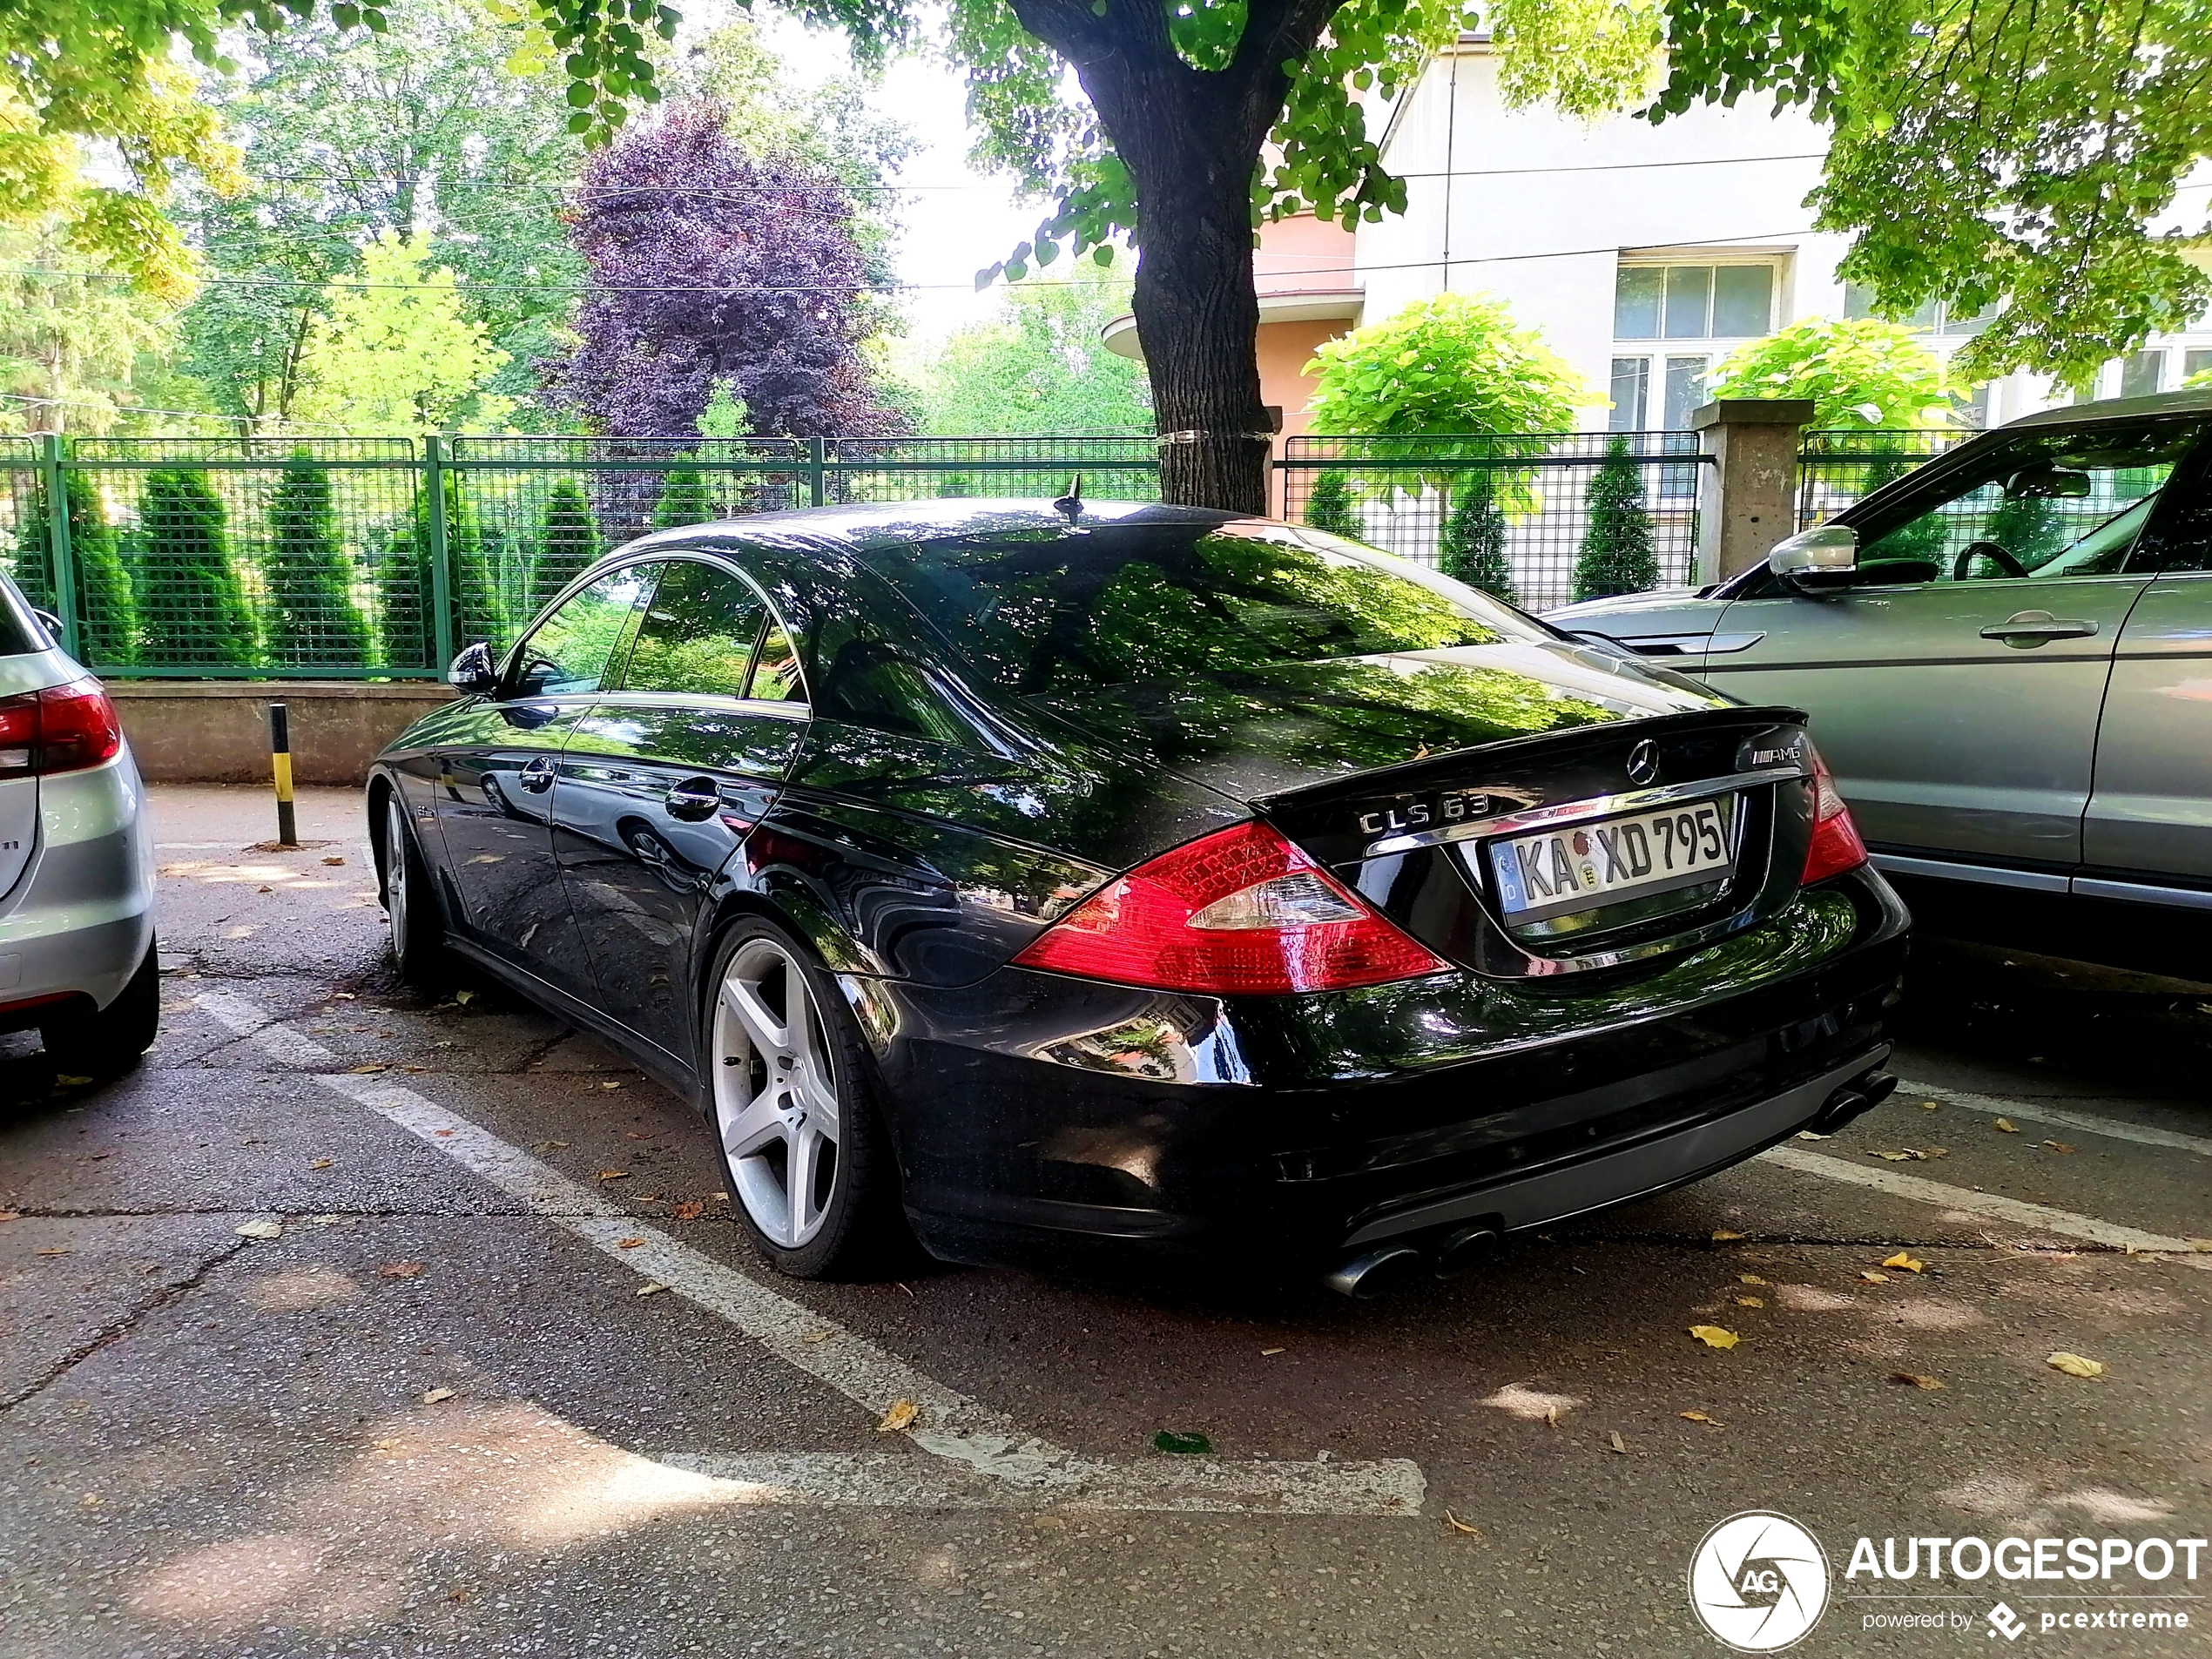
(708, 266)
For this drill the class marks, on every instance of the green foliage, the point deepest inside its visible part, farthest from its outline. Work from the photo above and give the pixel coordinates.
(567, 541)
(1472, 548)
(1860, 372)
(1617, 555)
(686, 498)
(313, 620)
(1329, 505)
(2013, 156)
(107, 599)
(1039, 366)
(726, 415)
(1444, 368)
(70, 335)
(398, 352)
(192, 607)
(405, 584)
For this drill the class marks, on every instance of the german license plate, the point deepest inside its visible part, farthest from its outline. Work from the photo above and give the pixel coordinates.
(1583, 866)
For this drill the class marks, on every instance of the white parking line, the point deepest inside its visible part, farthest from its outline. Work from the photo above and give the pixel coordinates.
(1989, 1205)
(981, 1459)
(250, 1019)
(2037, 1112)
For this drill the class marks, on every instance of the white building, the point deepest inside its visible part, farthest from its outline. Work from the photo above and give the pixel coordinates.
(1643, 254)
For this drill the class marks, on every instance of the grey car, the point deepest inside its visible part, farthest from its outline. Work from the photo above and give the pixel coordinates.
(2007, 654)
(78, 962)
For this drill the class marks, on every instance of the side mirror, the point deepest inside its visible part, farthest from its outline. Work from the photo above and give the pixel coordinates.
(473, 671)
(1825, 556)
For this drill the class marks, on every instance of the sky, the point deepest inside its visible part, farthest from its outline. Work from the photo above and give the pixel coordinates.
(956, 219)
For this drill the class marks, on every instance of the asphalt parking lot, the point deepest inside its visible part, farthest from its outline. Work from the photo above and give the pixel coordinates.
(356, 1324)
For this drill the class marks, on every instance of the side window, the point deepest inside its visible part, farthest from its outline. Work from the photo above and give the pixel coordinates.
(2181, 542)
(698, 635)
(2050, 504)
(775, 676)
(579, 648)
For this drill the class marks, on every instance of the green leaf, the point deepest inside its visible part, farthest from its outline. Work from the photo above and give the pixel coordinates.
(581, 94)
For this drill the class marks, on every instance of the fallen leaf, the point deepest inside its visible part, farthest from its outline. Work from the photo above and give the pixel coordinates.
(1713, 1337)
(902, 1415)
(628, 1244)
(1459, 1526)
(1873, 1277)
(373, 1065)
(1749, 1278)
(2004, 1126)
(16, 1215)
(1264, 1353)
(612, 1174)
(67, 1082)
(1904, 1259)
(550, 1146)
(1551, 1415)
(2073, 1364)
(1906, 1157)
(612, 1085)
(2191, 1239)
(436, 1395)
(399, 1270)
(1700, 1417)
(262, 1230)
(1618, 1444)
(1807, 1134)
(334, 861)
(63, 1250)
(1916, 1379)
(1721, 1234)
(2058, 1146)
(1750, 1302)
(1181, 1445)
(464, 998)
(322, 1163)
(389, 1446)
(265, 889)
(654, 1289)
(1931, 1105)
(414, 1068)
(816, 1336)
(690, 1210)
(489, 858)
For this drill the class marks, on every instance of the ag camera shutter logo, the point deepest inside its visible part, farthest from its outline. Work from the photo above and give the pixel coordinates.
(1759, 1581)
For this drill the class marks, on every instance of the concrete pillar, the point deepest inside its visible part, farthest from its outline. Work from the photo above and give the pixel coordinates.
(1747, 498)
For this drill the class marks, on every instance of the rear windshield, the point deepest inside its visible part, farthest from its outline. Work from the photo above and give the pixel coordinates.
(1046, 611)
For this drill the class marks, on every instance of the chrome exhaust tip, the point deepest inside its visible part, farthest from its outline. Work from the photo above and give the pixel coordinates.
(1377, 1273)
(1465, 1250)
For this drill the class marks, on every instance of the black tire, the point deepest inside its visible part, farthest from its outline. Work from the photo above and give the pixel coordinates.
(861, 1230)
(109, 1042)
(411, 911)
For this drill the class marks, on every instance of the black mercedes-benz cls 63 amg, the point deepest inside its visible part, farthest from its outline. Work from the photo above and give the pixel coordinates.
(1071, 880)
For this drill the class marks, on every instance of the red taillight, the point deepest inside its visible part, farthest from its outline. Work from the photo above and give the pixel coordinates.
(1240, 912)
(63, 728)
(1836, 846)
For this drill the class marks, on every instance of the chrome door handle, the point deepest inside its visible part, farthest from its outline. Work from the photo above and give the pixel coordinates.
(2032, 628)
(537, 777)
(692, 799)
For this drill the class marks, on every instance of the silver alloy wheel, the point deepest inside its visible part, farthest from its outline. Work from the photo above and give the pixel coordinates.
(396, 875)
(775, 1093)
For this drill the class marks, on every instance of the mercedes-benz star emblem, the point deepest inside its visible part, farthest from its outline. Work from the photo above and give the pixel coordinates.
(1643, 763)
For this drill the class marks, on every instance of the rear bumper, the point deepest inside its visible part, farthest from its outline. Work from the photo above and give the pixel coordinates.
(1049, 1123)
(81, 916)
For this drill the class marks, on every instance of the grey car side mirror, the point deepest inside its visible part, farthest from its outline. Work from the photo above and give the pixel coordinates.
(472, 671)
(1825, 556)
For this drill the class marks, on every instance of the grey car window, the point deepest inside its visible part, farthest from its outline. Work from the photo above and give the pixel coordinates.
(2048, 503)
(580, 646)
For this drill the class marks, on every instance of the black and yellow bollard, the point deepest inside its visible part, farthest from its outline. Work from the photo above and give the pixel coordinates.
(281, 766)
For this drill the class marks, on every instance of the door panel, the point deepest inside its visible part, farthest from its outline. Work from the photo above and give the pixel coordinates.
(662, 781)
(498, 762)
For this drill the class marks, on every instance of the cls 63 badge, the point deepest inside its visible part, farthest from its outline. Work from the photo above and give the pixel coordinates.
(1453, 807)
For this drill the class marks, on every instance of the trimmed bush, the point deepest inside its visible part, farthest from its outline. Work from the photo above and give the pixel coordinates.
(685, 499)
(312, 621)
(1328, 504)
(1617, 554)
(192, 608)
(567, 541)
(107, 610)
(406, 588)
(1472, 548)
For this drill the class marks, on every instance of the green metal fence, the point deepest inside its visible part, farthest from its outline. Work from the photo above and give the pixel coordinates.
(1836, 469)
(1530, 504)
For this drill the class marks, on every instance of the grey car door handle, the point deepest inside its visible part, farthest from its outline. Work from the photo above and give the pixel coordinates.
(2032, 628)
(692, 799)
(537, 777)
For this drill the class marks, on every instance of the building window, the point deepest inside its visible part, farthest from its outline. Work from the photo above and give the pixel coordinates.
(2142, 374)
(1685, 389)
(2194, 363)
(1935, 317)
(1631, 393)
(1693, 301)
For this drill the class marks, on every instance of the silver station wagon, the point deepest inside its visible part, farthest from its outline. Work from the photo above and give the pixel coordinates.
(2007, 654)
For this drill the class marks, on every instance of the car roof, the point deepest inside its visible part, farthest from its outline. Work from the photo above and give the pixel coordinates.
(866, 526)
(2197, 400)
